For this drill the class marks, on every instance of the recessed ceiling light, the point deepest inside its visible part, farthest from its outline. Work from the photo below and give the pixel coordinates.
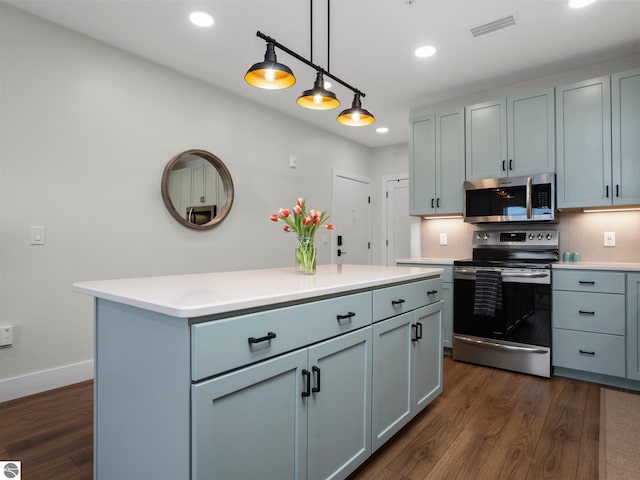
(425, 51)
(580, 3)
(382, 129)
(201, 19)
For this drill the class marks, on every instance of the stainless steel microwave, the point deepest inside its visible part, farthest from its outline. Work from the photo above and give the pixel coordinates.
(529, 198)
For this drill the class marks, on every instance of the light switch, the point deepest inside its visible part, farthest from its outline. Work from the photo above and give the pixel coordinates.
(443, 239)
(609, 239)
(37, 235)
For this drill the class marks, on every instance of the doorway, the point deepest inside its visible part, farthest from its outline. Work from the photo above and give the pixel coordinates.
(401, 232)
(351, 215)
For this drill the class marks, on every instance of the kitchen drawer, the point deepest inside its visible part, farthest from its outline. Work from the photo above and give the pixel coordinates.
(588, 281)
(589, 352)
(589, 312)
(391, 301)
(222, 345)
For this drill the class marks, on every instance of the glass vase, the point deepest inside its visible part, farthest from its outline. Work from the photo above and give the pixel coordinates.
(306, 256)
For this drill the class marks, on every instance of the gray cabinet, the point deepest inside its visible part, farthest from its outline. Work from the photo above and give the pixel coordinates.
(512, 136)
(258, 422)
(589, 321)
(407, 367)
(633, 326)
(625, 139)
(436, 169)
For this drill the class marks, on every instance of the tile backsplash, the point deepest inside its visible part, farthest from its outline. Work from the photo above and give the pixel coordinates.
(579, 232)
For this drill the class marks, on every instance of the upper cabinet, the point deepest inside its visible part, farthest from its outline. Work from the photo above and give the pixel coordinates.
(598, 148)
(512, 136)
(437, 164)
(625, 137)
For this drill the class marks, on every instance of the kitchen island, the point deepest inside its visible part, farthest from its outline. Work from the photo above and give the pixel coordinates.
(260, 374)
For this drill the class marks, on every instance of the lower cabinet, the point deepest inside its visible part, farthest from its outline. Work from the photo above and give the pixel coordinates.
(303, 415)
(633, 326)
(407, 369)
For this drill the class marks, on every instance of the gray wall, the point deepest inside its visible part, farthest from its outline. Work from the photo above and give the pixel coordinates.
(86, 131)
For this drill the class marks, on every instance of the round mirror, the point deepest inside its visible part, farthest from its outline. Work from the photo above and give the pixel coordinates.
(197, 189)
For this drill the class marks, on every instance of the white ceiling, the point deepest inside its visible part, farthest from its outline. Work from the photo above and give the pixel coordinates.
(371, 46)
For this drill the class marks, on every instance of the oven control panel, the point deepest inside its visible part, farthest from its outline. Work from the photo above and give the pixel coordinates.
(525, 238)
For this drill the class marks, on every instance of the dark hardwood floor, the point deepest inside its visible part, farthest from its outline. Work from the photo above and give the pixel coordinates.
(487, 424)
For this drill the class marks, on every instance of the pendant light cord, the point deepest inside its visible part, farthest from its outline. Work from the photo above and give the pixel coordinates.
(311, 30)
(328, 35)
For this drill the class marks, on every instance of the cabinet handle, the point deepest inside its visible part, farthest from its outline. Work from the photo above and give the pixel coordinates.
(417, 331)
(584, 312)
(504, 165)
(584, 282)
(316, 389)
(432, 203)
(617, 190)
(607, 187)
(267, 337)
(438, 203)
(347, 316)
(307, 392)
(585, 352)
(511, 164)
(432, 292)
(398, 302)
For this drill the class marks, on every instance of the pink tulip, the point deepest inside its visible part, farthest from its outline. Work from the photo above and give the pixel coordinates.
(301, 202)
(285, 212)
(274, 217)
(306, 221)
(316, 220)
(286, 228)
(330, 226)
(298, 210)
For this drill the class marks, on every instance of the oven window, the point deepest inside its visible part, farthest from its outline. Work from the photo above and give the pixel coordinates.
(525, 316)
(507, 201)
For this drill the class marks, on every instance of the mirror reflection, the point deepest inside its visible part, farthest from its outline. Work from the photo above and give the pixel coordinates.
(197, 189)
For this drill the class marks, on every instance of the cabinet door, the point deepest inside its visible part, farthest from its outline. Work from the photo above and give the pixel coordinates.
(486, 140)
(251, 423)
(625, 125)
(180, 189)
(633, 326)
(211, 182)
(427, 356)
(339, 412)
(449, 168)
(583, 136)
(391, 399)
(531, 133)
(422, 195)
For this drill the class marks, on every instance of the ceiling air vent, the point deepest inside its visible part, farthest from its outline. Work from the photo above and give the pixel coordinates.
(493, 26)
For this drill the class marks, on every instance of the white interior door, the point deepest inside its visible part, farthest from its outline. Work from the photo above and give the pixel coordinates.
(351, 215)
(402, 231)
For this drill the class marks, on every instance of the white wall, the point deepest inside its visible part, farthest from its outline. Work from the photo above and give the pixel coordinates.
(86, 131)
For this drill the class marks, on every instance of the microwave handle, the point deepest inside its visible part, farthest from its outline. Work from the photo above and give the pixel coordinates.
(529, 194)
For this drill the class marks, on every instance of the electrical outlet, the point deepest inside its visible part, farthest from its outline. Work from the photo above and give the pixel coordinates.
(6, 336)
(443, 239)
(609, 239)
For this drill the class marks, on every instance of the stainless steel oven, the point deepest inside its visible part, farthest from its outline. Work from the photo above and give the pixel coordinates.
(502, 301)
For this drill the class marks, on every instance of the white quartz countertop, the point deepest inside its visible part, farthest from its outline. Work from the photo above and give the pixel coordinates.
(425, 261)
(622, 266)
(195, 295)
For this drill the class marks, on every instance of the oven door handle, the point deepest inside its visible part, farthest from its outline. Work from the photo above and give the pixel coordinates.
(483, 343)
(508, 274)
(529, 194)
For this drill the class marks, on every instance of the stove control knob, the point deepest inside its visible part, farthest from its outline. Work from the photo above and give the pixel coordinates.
(549, 236)
(478, 236)
(531, 236)
(486, 236)
(539, 236)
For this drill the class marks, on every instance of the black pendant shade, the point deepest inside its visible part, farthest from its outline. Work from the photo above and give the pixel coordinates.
(270, 74)
(356, 116)
(318, 98)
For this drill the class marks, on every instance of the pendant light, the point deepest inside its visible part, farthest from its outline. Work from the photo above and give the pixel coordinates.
(356, 116)
(270, 74)
(318, 98)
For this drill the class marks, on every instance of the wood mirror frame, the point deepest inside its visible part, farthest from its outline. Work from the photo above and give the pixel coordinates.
(226, 196)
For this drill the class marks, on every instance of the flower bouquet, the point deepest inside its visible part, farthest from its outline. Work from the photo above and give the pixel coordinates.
(305, 225)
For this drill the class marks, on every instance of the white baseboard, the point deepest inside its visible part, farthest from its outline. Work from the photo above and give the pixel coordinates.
(16, 387)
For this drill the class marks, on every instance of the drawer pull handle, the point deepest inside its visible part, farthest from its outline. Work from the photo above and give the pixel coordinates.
(584, 282)
(316, 389)
(307, 392)
(417, 328)
(432, 292)
(267, 337)
(585, 352)
(398, 302)
(585, 312)
(347, 316)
